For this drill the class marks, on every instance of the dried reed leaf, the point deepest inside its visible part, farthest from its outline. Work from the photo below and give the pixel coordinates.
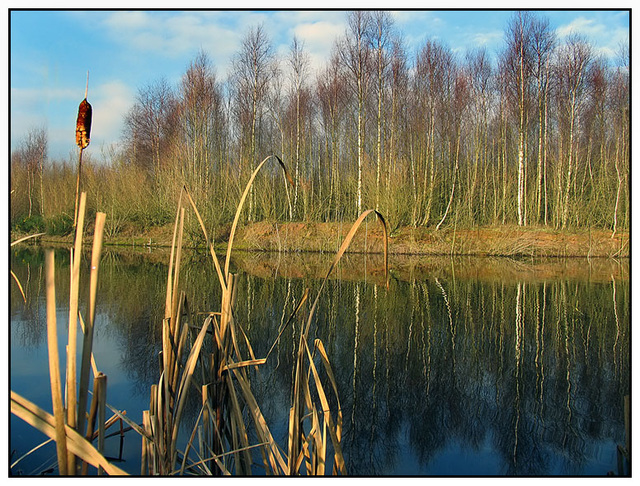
(185, 382)
(276, 462)
(94, 366)
(339, 459)
(343, 247)
(241, 204)
(239, 437)
(27, 454)
(167, 308)
(304, 298)
(327, 367)
(45, 423)
(286, 172)
(25, 238)
(74, 290)
(24, 297)
(214, 257)
(88, 335)
(144, 461)
(190, 442)
(15, 278)
(241, 364)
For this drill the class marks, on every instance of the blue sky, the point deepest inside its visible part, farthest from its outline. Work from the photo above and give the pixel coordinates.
(51, 51)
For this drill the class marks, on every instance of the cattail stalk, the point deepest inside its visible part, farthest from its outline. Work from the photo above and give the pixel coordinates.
(83, 134)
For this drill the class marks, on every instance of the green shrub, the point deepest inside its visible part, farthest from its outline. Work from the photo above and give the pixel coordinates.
(59, 225)
(31, 224)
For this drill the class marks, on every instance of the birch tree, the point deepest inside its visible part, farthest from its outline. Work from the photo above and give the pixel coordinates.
(382, 25)
(355, 53)
(543, 42)
(519, 61)
(201, 119)
(299, 66)
(253, 69)
(573, 61)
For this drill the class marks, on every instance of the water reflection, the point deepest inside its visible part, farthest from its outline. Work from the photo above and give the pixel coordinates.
(452, 370)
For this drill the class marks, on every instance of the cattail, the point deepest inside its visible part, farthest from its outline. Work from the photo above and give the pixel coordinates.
(83, 134)
(83, 124)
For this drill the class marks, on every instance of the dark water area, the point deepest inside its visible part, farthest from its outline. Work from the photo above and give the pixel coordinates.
(460, 367)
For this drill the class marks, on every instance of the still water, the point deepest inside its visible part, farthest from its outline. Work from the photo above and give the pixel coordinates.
(461, 367)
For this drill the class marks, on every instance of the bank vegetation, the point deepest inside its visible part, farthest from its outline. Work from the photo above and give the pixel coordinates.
(536, 135)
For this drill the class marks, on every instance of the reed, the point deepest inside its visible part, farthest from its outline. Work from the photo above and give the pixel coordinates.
(74, 289)
(229, 414)
(213, 357)
(54, 364)
(87, 345)
(66, 425)
(45, 423)
(13, 275)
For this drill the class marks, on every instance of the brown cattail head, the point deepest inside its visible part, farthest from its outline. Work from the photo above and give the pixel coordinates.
(83, 124)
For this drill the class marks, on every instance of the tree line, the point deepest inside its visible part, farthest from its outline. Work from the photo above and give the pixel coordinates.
(537, 134)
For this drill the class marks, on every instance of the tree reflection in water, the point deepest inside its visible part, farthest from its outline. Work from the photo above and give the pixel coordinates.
(443, 373)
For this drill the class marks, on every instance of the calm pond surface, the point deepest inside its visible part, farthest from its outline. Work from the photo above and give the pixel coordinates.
(462, 367)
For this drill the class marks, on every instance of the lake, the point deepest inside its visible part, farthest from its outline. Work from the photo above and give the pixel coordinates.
(463, 366)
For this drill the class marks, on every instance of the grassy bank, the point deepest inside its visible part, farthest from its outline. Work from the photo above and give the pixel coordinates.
(511, 241)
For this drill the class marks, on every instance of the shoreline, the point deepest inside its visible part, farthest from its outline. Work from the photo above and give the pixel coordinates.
(296, 237)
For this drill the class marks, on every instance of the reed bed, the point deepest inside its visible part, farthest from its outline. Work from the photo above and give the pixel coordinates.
(207, 354)
(229, 415)
(68, 422)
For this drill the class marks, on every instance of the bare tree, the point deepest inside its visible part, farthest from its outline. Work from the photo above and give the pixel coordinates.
(150, 125)
(355, 53)
(398, 120)
(382, 29)
(619, 106)
(543, 43)
(202, 119)
(480, 72)
(330, 88)
(299, 64)
(253, 69)
(458, 102)
(433, 85)
(518, 63)
(31, 156)
(571, 67)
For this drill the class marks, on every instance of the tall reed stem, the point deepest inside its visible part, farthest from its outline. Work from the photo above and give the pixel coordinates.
(74, 288)
(88, 334)
(54, 364)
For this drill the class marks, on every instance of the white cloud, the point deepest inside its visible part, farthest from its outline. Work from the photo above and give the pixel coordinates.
(487, 38)
(319, 38)
(110, 102)
(171, 34)
(583, 26)
(321, 33)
